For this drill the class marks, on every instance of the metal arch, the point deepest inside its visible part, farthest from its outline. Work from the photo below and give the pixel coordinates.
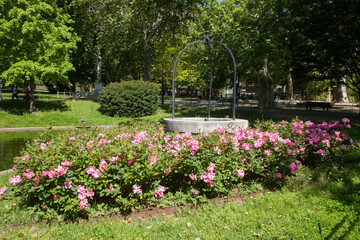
(206, 41)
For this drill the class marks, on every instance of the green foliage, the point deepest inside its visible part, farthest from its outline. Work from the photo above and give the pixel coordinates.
(36, 42)
(324, 40)
(129, 99)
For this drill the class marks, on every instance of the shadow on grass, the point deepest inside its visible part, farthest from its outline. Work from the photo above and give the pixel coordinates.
(21, 107)
(342, 224)
(339, 181)
(342, 179)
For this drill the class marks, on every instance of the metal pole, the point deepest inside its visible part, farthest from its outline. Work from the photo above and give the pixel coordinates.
(162, 88)
(211, 77)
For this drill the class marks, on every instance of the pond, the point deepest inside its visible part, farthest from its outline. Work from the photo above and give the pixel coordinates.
(12, 143)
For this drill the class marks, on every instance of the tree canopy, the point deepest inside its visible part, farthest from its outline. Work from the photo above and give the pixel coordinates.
(35, 42)
(274, 42)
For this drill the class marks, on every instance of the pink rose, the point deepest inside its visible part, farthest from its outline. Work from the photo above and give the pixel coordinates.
(211, 167)
(137, 189)
(240, 172)
(68, 184)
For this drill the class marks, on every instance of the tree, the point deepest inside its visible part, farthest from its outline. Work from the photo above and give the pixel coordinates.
(249, 29)
(134, 26)
(327, 40)
(35, 43)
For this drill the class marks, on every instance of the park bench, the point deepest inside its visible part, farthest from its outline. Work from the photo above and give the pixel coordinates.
(323, 105)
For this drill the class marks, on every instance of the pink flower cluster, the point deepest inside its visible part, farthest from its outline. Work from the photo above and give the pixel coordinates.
(2, 190)
(113, 159)
(139, 137)
(66, 163)
(83, 193)
(58, 171)
(137, 189)
(68, 185)
(15, 179)
(103, 164)
(89, 144)
(167, 170)
(194, 146)
(28, 174)
(294, 166)
(194, 191)
(153, 158)
(159, 192)
(193, 177)
(207, 177)
(93, 172)
(216, 149)
(240, 172)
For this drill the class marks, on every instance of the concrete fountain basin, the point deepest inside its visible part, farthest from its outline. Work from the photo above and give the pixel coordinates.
(201, 125)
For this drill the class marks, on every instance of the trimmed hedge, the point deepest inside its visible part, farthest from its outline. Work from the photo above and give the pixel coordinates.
(129, 99)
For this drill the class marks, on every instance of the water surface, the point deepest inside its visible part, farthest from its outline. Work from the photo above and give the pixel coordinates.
(12, 143)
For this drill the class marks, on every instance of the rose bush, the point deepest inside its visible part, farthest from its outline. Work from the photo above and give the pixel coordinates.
(139, 166)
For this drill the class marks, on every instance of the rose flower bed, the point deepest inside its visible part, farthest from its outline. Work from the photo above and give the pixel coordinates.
(79, 173)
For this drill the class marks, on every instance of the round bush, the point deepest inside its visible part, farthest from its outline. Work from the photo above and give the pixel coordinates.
(129, 99)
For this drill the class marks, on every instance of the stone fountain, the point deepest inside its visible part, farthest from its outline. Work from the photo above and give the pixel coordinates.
(196, 124)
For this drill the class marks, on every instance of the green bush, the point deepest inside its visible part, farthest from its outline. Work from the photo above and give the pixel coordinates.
(76, 174)
(129, 99)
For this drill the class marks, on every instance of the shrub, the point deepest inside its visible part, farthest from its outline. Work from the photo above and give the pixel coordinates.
(129, 99)
(137, 167)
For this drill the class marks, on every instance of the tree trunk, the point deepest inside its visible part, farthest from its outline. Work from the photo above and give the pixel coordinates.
(32, 95)
(147, 66)
(98, 83)
(147, 59)
(290, 86)
(266, 92)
